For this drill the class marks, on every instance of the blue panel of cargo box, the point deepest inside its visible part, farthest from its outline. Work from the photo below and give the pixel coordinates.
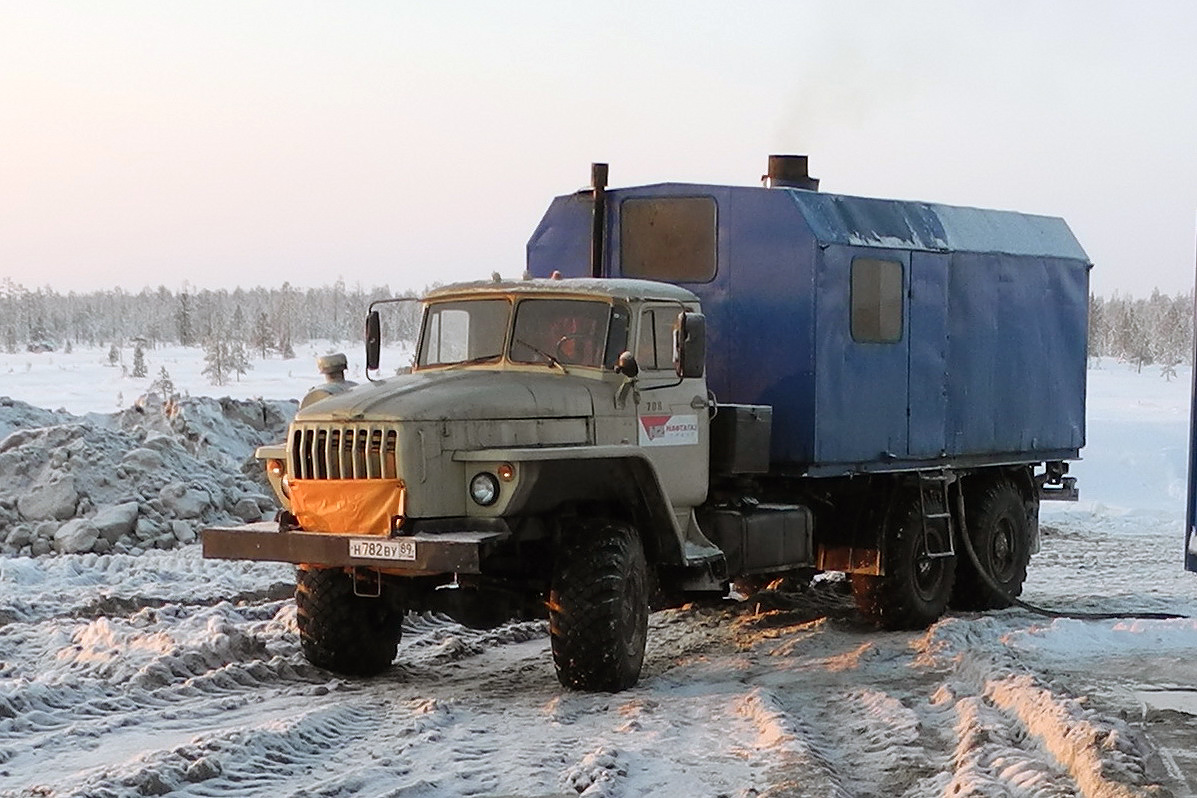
(885, 334)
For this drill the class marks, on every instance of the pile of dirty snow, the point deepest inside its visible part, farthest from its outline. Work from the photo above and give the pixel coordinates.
(147, 477)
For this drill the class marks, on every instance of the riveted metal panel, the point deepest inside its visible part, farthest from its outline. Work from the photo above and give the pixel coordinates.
(928, 392)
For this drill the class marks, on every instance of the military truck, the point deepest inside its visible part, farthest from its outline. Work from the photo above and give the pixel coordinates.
(696, 386)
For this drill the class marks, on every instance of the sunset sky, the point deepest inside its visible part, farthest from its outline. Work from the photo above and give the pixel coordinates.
(249, 143)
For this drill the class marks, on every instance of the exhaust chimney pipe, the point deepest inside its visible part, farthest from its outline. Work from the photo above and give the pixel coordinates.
(789, 171)
(598, 189)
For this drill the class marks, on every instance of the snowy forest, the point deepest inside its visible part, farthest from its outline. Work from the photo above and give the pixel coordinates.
(232, 326)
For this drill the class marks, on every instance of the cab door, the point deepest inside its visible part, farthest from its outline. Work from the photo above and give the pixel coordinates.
(672, 423)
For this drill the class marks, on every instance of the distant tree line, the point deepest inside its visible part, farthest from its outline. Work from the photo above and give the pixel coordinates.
(1156, 330)
(234, 325)
(262, 321)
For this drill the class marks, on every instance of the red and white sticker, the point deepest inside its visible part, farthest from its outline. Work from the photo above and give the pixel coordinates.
(668, 430)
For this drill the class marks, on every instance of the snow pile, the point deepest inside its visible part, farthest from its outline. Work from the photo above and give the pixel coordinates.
(16, 415)
(146, 477)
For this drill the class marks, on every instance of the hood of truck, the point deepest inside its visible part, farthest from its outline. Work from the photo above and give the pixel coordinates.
(460, 394)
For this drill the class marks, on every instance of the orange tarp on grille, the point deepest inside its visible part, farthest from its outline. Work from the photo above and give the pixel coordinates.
(358, 506)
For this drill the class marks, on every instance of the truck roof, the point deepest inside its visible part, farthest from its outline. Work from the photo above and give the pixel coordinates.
(901, 224)
(615, 288)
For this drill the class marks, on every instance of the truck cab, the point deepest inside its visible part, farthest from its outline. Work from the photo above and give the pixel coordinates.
(544, 428)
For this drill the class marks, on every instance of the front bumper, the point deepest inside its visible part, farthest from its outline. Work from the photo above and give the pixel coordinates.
(451, 551)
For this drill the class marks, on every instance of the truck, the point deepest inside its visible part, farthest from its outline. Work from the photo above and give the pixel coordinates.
(693, 389)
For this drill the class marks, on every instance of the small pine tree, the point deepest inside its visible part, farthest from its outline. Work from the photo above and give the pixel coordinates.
(183, 321)
(10, 341)
(66, 348)
(238, 360)
(139, 361)
(262, 338)
(162, 384)
(216, 359)
(114, 355)
(237, 328)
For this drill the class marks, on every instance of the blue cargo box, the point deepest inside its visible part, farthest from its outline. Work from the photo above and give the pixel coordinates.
(885, 334)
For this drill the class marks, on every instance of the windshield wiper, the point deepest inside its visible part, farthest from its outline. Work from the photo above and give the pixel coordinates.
(552, 360)
(475, 360)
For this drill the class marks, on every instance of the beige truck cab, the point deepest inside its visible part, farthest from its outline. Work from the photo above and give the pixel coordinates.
(543, 456)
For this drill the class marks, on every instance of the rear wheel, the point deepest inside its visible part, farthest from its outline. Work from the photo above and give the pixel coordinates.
(598, 608)
(998, 527)
(341, 631)
(915, 589)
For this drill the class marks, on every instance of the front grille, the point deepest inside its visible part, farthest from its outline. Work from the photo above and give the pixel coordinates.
(356, 451)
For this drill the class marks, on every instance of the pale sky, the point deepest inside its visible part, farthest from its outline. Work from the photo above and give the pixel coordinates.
(249, 143)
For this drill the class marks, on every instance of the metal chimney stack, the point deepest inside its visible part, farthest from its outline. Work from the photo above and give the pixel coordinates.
(789, 171)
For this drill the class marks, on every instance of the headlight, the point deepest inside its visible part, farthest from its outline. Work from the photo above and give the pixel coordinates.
(484, 489)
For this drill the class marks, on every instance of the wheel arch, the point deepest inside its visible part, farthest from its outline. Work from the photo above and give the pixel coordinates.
(597, 480)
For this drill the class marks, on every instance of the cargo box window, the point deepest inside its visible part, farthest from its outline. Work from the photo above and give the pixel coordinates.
(668, 238)
(876, 300)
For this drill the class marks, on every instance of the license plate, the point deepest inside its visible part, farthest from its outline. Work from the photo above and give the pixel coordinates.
(385, 549)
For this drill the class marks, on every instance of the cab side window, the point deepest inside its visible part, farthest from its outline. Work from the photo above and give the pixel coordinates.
(654, 350)
(617, 334)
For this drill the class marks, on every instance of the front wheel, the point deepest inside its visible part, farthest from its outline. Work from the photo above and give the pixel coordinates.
(598, 608)
(915, 589)
(343, 632)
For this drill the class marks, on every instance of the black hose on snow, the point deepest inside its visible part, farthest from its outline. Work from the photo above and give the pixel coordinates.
(1001, 591)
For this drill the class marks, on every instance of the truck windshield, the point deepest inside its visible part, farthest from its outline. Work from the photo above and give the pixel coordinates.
(562, 331)
(464, 331)
(554, 332)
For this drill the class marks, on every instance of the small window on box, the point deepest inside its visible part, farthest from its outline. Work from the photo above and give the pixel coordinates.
(876, 301)
(668, 238)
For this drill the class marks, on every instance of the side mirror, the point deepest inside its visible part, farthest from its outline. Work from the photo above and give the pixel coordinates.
(627, 366)
(690, 344)
(373, 340)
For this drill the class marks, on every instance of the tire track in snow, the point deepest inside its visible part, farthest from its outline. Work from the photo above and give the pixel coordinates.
(165, 679)
(946, 712)
(86, 692)
(274, 753)
(91, 585)
(1033, 736)
(859, 702)
(201, 700)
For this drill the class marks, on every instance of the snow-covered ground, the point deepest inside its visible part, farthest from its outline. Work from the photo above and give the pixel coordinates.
(161, 673)
(84, 381)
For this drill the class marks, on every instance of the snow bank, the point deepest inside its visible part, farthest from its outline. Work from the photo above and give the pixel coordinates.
(146, 477)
